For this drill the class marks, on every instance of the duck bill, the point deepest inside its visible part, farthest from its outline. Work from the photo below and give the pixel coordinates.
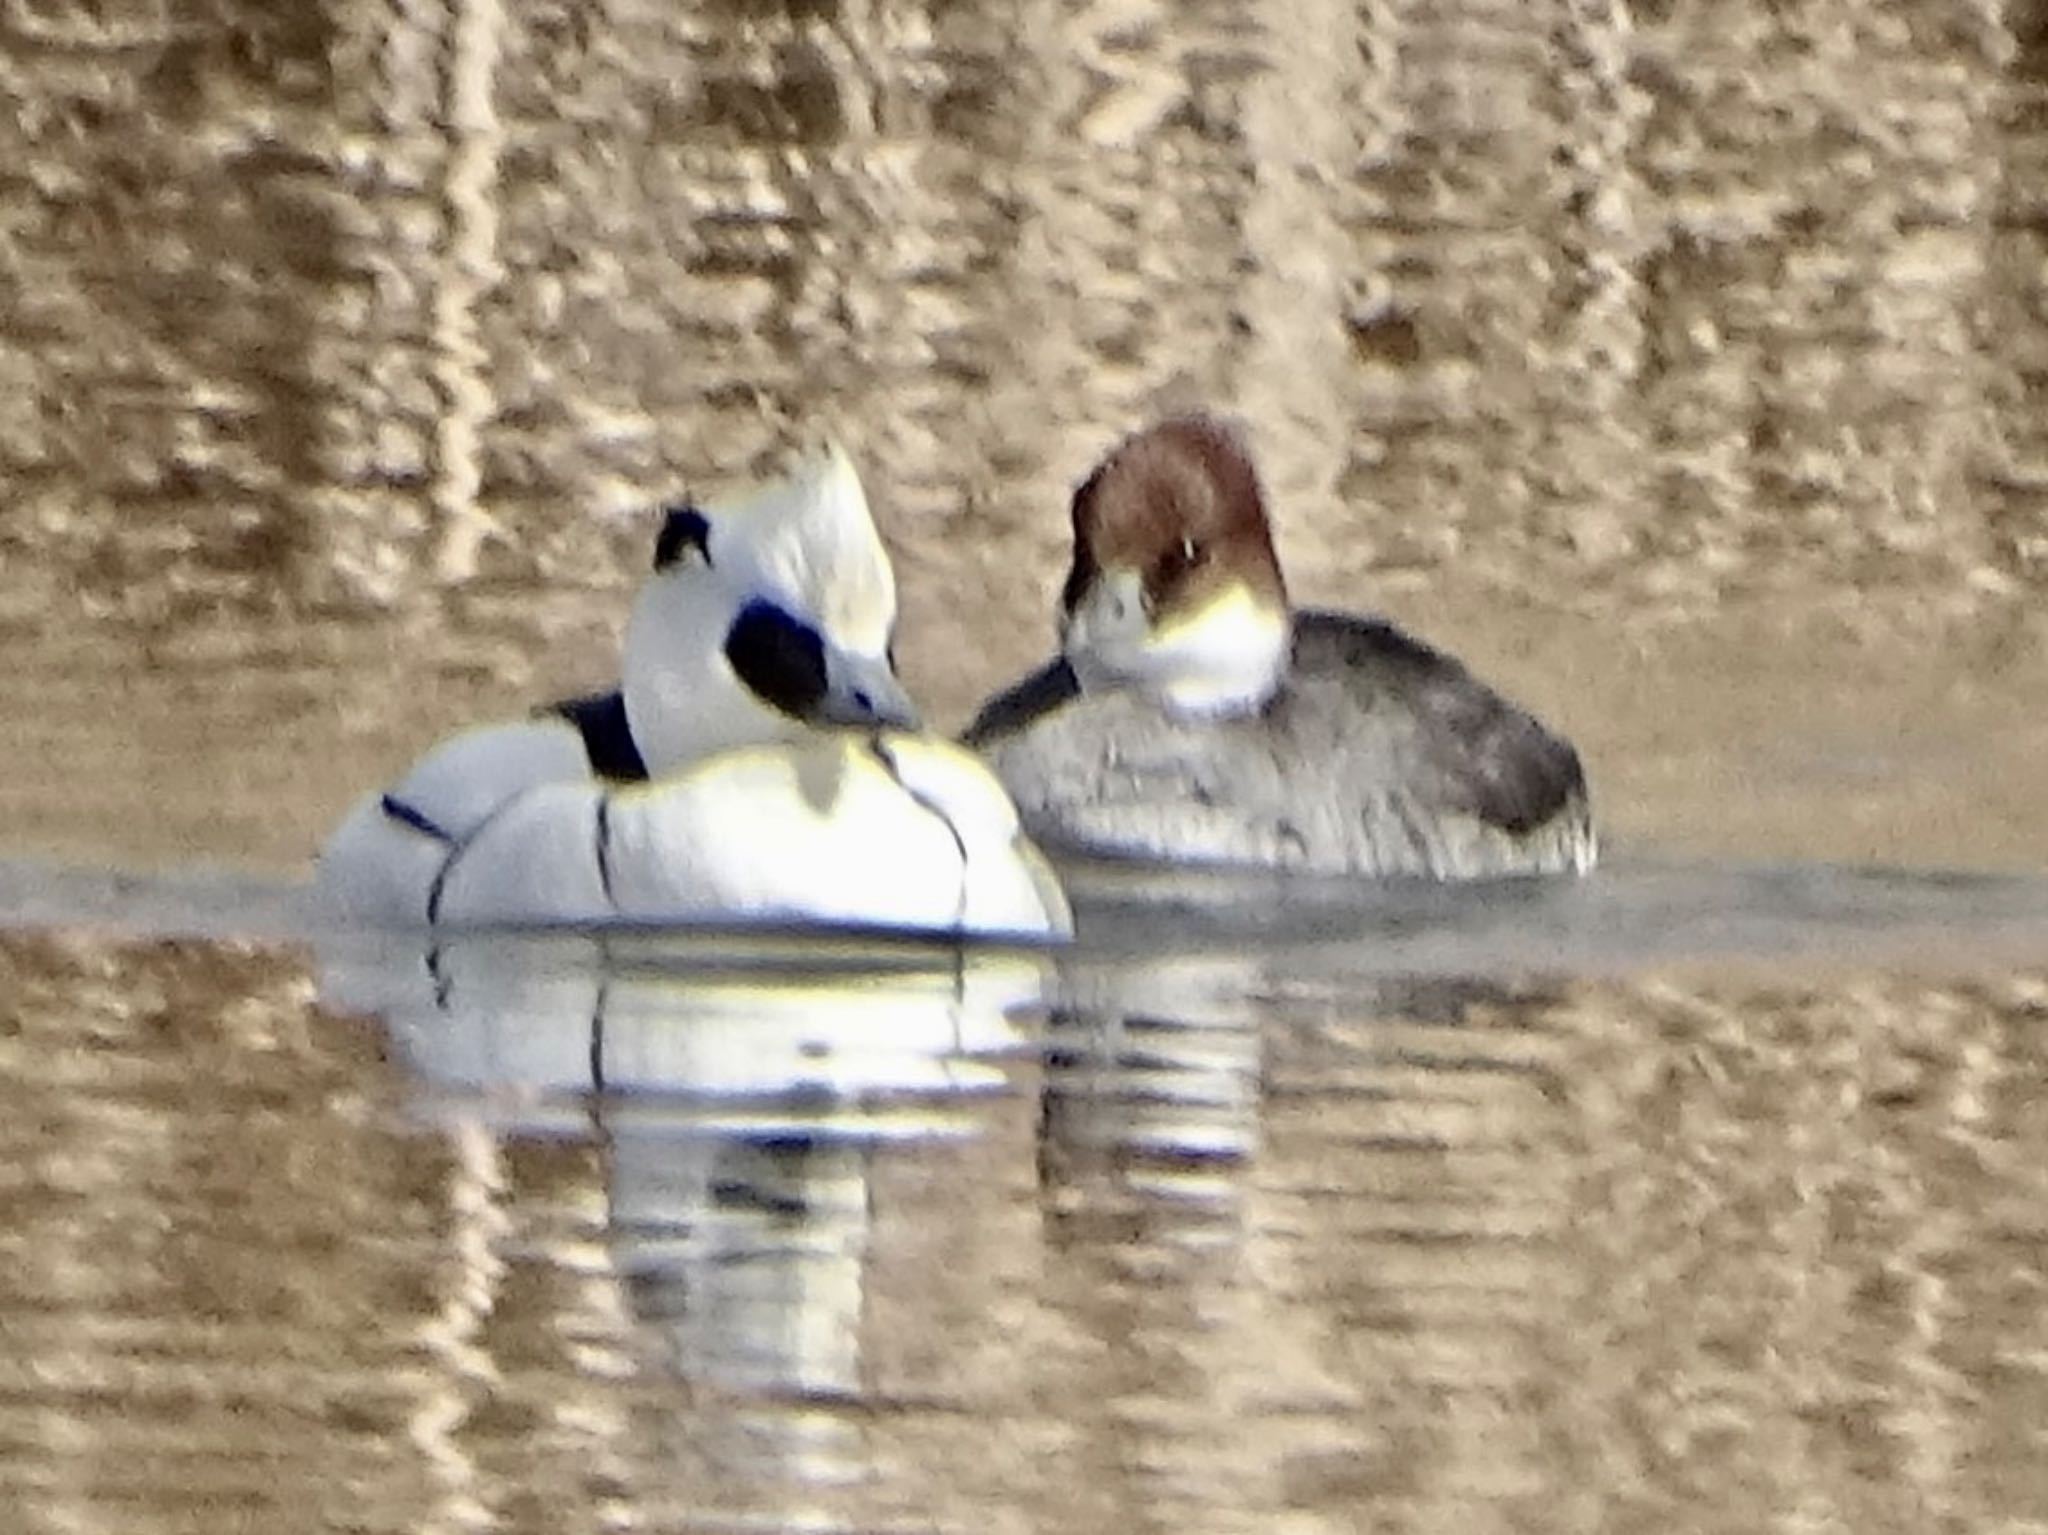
(866, 693)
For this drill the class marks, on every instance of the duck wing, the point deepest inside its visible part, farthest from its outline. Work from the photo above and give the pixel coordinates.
(386, 859)
(1468, 749)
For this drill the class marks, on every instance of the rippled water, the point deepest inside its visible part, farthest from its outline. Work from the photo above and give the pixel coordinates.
(1708, 1193)
(1677, 365)
(1428, 1211)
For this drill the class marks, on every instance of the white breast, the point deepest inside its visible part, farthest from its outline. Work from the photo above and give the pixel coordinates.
(883, 830)
(889, 829)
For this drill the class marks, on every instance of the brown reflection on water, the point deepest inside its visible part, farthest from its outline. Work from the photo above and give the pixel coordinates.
(1807, 1257)
(216, 1263)
(1622, 1256)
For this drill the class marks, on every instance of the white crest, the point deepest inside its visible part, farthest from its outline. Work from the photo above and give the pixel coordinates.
(808, 541)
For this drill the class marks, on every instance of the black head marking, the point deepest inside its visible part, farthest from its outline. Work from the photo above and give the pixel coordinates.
(683, 528)
(781, 658)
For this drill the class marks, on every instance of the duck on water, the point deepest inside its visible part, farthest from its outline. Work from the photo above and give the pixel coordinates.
(1193, 716)
(760, 762)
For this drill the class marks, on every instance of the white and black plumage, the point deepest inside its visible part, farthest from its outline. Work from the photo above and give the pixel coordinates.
(760, 762)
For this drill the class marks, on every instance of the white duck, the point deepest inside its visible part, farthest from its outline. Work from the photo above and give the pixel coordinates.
(760, 763)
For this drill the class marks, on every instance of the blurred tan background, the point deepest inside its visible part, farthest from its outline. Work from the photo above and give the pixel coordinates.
(1681, 364)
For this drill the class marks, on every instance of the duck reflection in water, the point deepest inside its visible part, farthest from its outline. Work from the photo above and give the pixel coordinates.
(1163, 1032)
(744, 1095)
(739, 1091)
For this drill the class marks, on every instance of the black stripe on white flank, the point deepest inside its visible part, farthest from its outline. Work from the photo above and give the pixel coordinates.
(604, 847)
(880, 750)
(411, 816)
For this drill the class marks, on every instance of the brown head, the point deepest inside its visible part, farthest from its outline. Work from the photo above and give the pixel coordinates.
(1174, 586)
(1178, 503)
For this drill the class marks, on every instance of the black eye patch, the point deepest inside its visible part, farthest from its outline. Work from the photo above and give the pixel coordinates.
(683, 528)
(781, 659)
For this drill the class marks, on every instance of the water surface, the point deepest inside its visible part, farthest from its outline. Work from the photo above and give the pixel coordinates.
(1436, 1210)
(1706, 1193)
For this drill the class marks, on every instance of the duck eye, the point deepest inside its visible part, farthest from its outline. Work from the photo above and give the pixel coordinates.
(684, 530)
(1180, 559)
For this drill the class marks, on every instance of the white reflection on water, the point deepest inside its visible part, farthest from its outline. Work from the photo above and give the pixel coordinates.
(739, 1090)
(545, 1017)
(742, 1090)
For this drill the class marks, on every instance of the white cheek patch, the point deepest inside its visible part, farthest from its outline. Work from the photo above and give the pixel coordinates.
(1225, 657)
